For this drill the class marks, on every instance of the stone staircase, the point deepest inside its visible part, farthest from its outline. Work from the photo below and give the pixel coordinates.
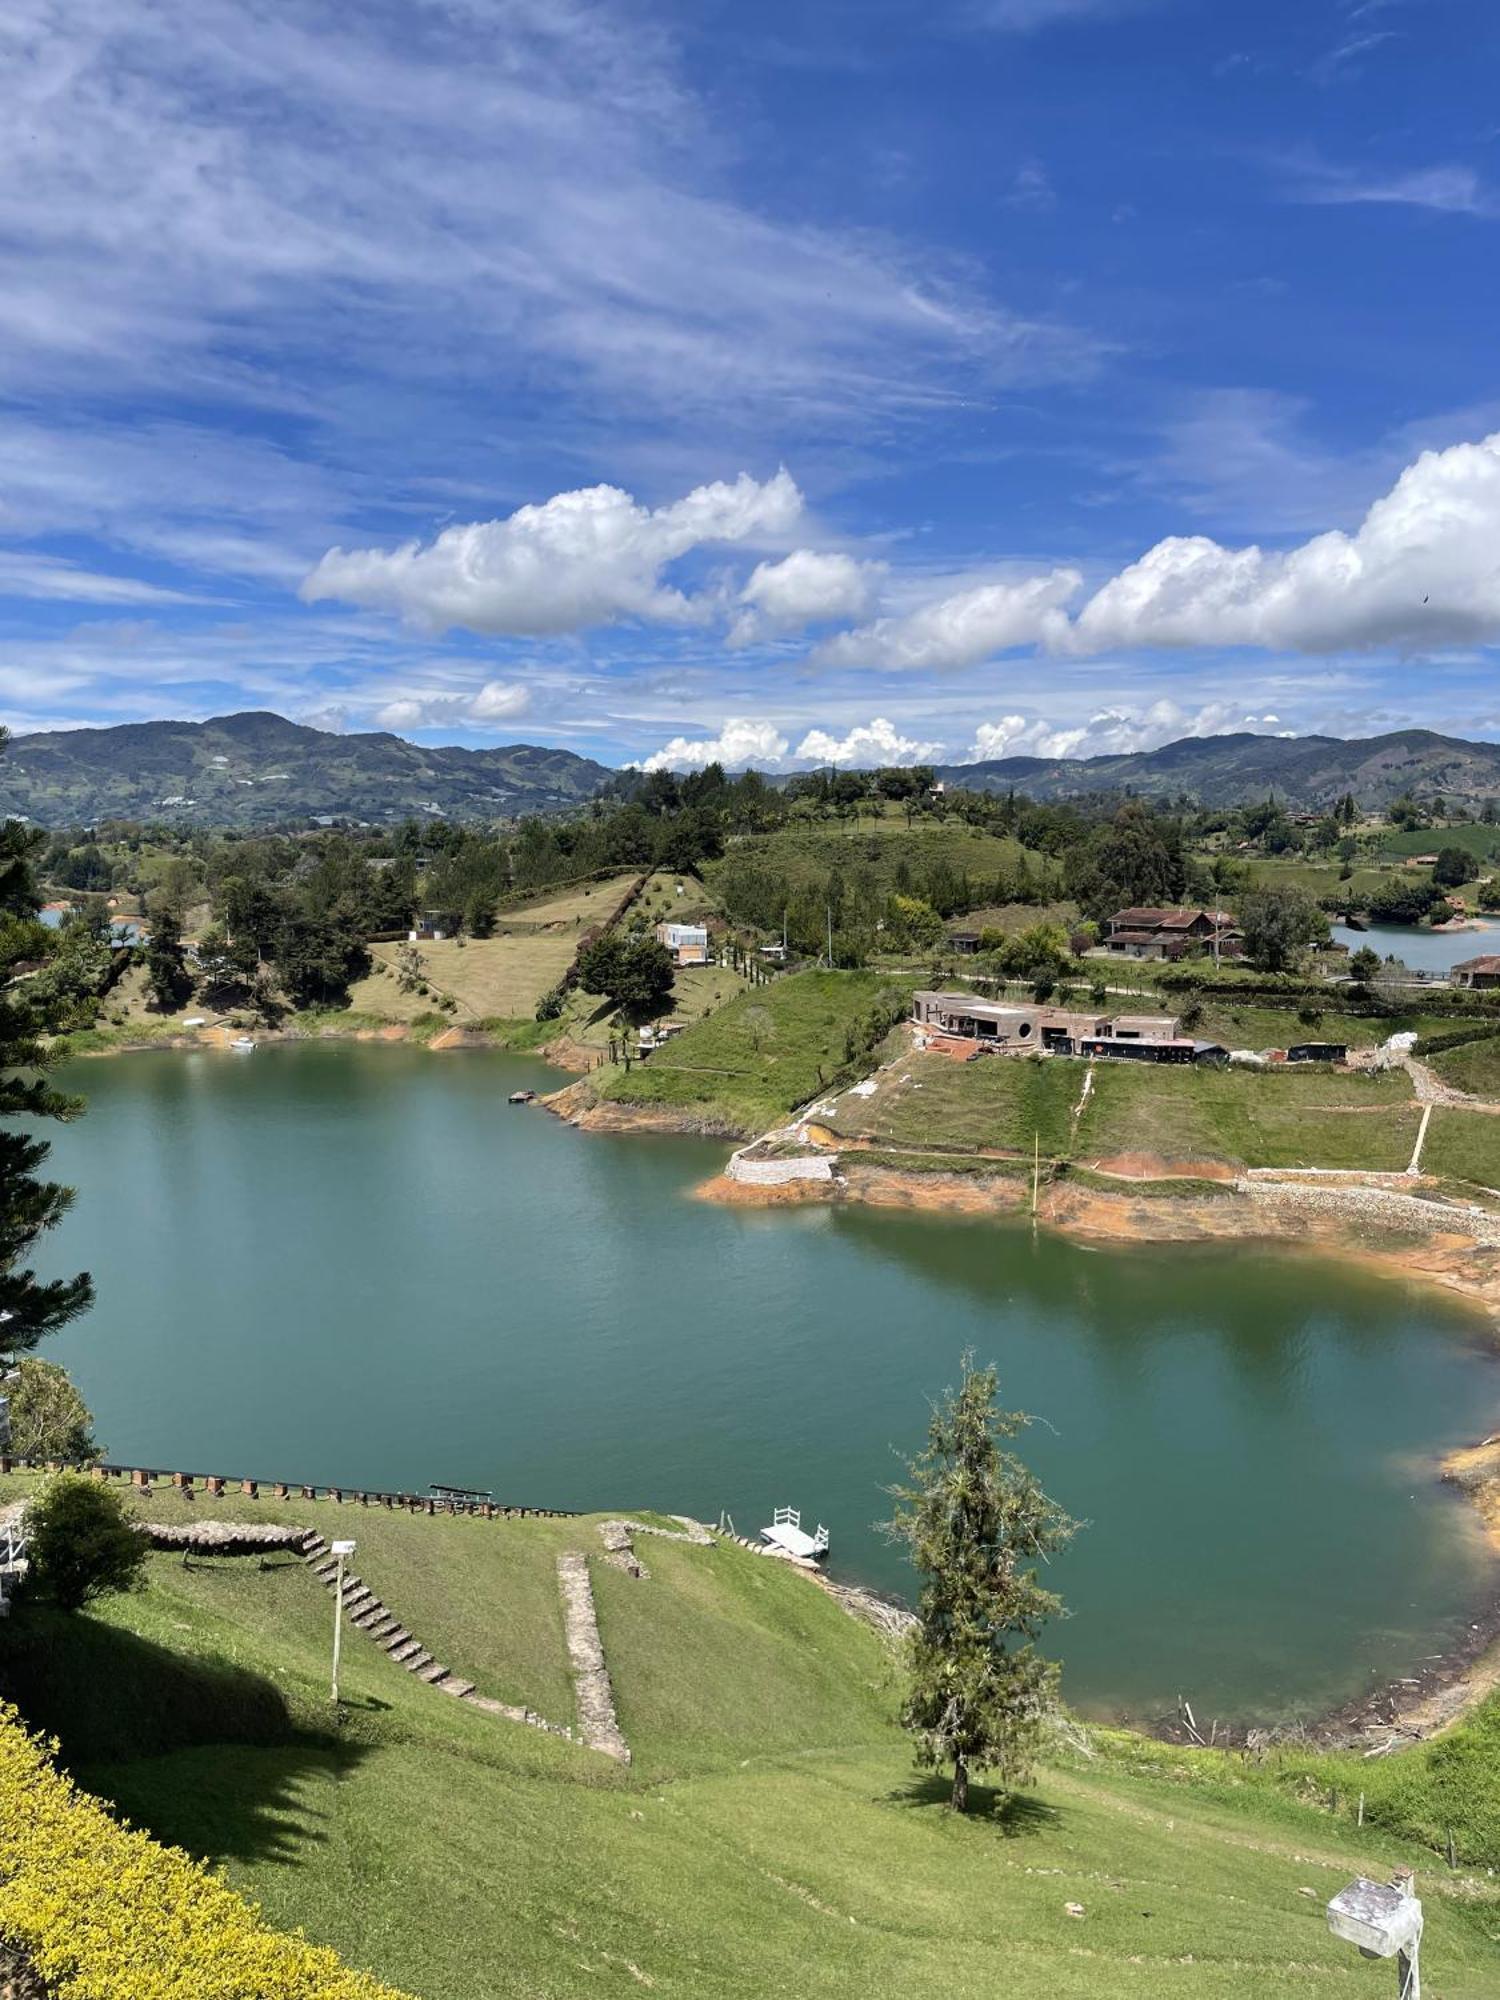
(364, 1611)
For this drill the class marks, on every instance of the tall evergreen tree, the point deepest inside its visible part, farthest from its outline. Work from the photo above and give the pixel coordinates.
(29, 1307)
(976, 1524)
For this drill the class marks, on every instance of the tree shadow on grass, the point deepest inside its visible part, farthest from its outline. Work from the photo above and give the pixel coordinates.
(198, 1751)
(1015, 1814)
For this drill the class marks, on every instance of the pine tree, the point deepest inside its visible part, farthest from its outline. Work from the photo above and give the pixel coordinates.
(977, 1523)
(29, 1307)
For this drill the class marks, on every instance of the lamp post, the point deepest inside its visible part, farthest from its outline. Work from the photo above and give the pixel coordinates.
(340, 1550)
(1385, 1920)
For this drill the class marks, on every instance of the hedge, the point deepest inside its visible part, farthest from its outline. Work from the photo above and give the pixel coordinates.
(103, 1911)
(1455, 1038)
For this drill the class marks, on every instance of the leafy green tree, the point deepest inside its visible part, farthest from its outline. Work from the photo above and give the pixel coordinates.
(1403, 900)
(166, 964)
(48, 1417)
(81, 1543)
(1279, 924)
(227, 965)
(1454, 866)
(317, 957)
(976, 1524)
(1364, 964)
(914, 924)
(1136, 859)
(634, 972)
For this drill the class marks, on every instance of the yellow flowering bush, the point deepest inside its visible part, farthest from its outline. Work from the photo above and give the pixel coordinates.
(107, 1913)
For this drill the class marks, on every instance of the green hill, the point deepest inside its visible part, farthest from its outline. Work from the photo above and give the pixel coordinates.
(1306, 771)
(770, 1837)
(258, 769)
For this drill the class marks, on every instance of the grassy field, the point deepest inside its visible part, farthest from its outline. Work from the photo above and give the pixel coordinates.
(1276, 1118)
(765, 1052)
(1465, 1145)
(804, 854)
(573, 909)
(772, 1837)
(1321, 878)
(1474, 1066)
(497, 977)
(1283, 1118)
(1254, 1025)
(998, 1102)
(1483, 842)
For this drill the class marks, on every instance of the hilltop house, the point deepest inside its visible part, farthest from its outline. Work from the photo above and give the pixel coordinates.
(1149, 932)
(1478, 972)
(1004, 1025)
(688, 943)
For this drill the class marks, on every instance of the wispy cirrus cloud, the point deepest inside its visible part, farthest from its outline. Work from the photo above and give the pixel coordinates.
(174, 172)
(1446, 188)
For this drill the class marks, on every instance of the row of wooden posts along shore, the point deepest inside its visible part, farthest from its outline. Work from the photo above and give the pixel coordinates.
(215, 1485)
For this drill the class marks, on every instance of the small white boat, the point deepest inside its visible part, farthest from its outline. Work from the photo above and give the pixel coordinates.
(243, 1045)
(787, 1533)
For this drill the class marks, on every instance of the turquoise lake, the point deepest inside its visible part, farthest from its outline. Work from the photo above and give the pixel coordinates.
(359, 1265)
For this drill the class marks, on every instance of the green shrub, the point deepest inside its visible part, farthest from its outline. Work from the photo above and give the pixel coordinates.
(81, 1543)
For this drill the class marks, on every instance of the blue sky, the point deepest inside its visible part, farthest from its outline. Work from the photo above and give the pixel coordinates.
(864, 382)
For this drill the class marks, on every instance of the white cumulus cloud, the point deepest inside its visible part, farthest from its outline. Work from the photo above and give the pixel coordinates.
(1422, 569)
(582, 559)
(741, 742)
(495, 702)
(808, 587)
(962, 628)
(877, 742)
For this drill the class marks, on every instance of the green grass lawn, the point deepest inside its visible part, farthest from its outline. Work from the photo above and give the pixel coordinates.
(1279, 1118)
(1465, 1145)
(763, 1053)
(805, 853)
(1322, 878)
(772, 1837)
(1473, 1066)
(999, 1101)
(1482, 842)
(1255, 1025)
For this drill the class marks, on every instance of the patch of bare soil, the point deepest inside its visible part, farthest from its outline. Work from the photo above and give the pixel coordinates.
(565, 1053)
(577, 1103)
(1154, 1167)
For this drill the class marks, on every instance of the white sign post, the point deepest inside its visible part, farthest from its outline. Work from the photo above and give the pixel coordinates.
(340, 1549)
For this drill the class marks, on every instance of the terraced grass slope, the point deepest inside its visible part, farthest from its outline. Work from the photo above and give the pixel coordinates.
(768, 1050)
(1274, 1118)
(771, 1837)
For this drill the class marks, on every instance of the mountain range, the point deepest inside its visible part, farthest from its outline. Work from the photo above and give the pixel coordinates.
(1304, 772)
(258, 769)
